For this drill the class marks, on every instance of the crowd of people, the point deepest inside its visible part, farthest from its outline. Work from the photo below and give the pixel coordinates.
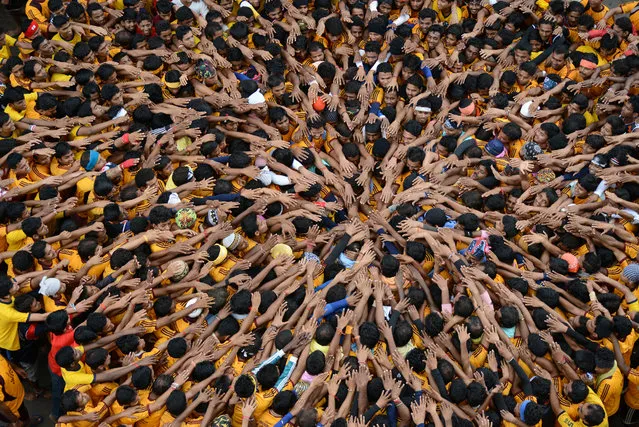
(325, 213)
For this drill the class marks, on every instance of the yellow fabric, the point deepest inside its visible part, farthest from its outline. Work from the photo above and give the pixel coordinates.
(83, 376)
(9, 319)
(11, 390)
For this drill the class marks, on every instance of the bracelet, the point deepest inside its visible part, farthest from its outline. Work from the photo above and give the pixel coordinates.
(101, 306)
(175, 386)
(125, 138)
(136, 364)
(32, 128)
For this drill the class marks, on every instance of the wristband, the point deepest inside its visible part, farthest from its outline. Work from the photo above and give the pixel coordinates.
(359, 64)
(592, 296)
(101, 306)
(125, 138)
(32, 128)
(175, 386)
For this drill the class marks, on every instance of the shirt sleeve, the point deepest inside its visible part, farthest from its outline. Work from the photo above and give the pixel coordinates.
(286, 374)
(15, 237)
(12, 315)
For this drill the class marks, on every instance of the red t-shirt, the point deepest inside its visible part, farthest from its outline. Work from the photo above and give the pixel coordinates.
(57, 342)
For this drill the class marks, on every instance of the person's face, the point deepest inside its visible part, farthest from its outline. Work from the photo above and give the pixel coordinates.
(8, 127)
(278, 90)
(118, 99)
(283, 124)
(492, 34)
(332, 37)
(521, 56)
(541, 200)
(20, 105)
(433, 38)
(503, 137)
(540, 137)
(586, 73)
(370, 57)
(606, 130)
(372, 136)
(146, 27)
(262, 110)
(472, 53)
(262, 226)
(50, 253)
(317, 132)
(359, 12)
(416, 4)
(618, 31)
(384, 78)
(129, 25)
(275, 15)
(444, 5)
(557, 60)
(523, 77)
(46, 49)
(450, 40)
(406, 73)
(573, 108)
(391, 98)
(77, 354)
(98, 17)
(422, 117)
(125, 60)
(425, 23)
(23, 167)
(474, 7)
(374, 37)
(545, 31)
(317, 55)
(411, 91)
(457, 67)
(626, 110)
(353, 159)
(536, 45)
(413, 166)
(15, 288)
(385, 8)
(408, 137)
(572, 18)
(357, 32)
(594, 169)
(243, 244)
(189, 40)
(480, 172)
(83, 399)
(35, 306)
(580, 192)
(166, 36)
(90, 57)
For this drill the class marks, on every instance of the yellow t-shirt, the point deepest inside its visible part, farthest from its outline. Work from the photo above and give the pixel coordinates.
(81, 377)
(9, 320)
(11, 390)
(5, 51)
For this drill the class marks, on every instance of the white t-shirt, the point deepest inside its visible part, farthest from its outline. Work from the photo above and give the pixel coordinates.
(197, 7)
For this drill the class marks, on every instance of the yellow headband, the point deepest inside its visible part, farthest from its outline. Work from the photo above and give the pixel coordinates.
(170, 85)
(221, 256)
